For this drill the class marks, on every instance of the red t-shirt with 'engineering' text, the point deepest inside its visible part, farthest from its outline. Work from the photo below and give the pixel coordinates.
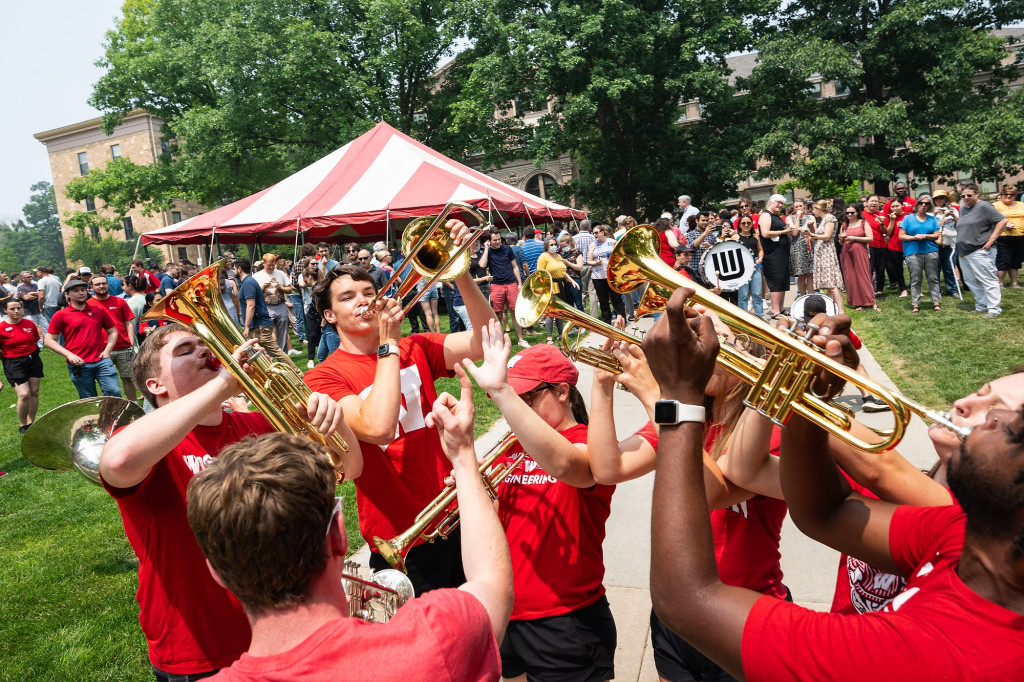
(555, 533)
(937, 629)
(401, 478)
(191, 623)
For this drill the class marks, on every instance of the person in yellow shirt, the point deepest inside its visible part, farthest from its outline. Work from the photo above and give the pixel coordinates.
(1010, 244)
(552, 261)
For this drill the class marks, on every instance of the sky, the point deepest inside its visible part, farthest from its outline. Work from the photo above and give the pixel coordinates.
(50, 47)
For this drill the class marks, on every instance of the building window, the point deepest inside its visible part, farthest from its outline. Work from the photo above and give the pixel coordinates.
(165, 147)
(1020, 54)
(95, 232)
(83, 163)
(129, 229)
(182, 253)
(175, 216)
(115, 151)
(538, 185)
(682, 114)
(842, 89)
(816, 90)
(90, 204)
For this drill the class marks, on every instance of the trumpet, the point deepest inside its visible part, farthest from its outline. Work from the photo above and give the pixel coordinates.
(444, 510)
(377, 597)
(537, 299)
(781, 385)
(427, 245)
(274, 387)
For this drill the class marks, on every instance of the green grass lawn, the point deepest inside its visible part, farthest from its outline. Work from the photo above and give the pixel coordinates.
(937, 357)
(67, 572)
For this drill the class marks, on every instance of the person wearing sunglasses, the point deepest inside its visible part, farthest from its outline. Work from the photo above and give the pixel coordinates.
(855, 236)
(920, 233)
(1010, 245)
(979, 227)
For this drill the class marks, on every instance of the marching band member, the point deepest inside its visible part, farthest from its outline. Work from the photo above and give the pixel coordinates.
(193, 626)
(960, 617)
(746, 523)
(286, 571)
(385, 383)
(554, 516)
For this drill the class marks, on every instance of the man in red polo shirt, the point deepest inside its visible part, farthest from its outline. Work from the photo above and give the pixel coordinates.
(85, 348)
(123, 354)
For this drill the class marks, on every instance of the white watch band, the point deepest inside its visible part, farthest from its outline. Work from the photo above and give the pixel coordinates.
(392, 349)
(682, 412)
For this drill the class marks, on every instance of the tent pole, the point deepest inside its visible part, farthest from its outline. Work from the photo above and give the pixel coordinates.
(295, 250)
(387, 229)
(138, 243)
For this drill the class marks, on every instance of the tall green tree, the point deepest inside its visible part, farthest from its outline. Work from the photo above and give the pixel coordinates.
(914, 77)
(252, 90)
(610, 76)
(35, 240)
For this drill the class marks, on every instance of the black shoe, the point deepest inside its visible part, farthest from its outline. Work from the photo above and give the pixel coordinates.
(23, 429)
(873, 404)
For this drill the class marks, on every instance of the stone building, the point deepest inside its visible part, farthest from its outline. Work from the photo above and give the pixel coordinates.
(76, 149)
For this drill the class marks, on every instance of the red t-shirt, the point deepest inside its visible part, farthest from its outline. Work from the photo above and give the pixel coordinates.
(736, 221)
(666, 250)
(555, 532)
(191, 623)
(121, 313)
(443, 635)
(937, 629)
(85, 330)
(875, 220)
(19, 340)
(746, 535)
(401, 478)
(151, 281)
(894, 243)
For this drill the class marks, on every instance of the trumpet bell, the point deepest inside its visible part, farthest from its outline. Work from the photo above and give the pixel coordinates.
(72, 436)
(537, 299)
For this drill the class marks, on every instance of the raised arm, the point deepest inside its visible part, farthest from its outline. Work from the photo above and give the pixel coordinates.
(467, 344)
(686, 592)
(564, 460)
(485, 554)
(819, 499)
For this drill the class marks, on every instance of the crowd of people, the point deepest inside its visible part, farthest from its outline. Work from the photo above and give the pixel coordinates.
(241, 541)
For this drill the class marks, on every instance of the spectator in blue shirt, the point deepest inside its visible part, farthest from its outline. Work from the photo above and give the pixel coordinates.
(532, 248)
(919, 234)
(169, 280)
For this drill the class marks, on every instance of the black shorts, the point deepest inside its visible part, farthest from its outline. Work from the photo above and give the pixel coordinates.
(20, 370)
(577, 646)
(677, 661)
(431, 565)
(1009, 253)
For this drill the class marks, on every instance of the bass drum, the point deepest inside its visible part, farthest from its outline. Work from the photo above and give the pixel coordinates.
(728, 265)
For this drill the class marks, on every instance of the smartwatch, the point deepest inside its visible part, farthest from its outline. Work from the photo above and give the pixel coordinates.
(671, 412)
(386, 349)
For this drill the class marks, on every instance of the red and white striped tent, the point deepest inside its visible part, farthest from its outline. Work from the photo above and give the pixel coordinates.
(359, 193)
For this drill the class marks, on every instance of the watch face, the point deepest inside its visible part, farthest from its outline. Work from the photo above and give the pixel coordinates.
(665, 412)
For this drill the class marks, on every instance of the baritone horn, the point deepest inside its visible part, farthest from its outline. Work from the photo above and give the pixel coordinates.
(781, 385)
(274, 387)
(428, 247)
(537, 299)
(375, 597)
(441, 516)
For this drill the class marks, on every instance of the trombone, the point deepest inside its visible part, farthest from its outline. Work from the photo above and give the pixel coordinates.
(781, 385)
(537, 299)
(428, 247)
(444, 510)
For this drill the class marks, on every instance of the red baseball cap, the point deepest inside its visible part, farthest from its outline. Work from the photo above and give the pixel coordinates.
(540, 364)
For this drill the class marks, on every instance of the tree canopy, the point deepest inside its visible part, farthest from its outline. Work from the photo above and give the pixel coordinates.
(921, 87)
(35, 240)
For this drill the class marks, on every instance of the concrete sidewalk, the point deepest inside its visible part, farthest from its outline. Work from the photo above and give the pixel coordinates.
(810, 568)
